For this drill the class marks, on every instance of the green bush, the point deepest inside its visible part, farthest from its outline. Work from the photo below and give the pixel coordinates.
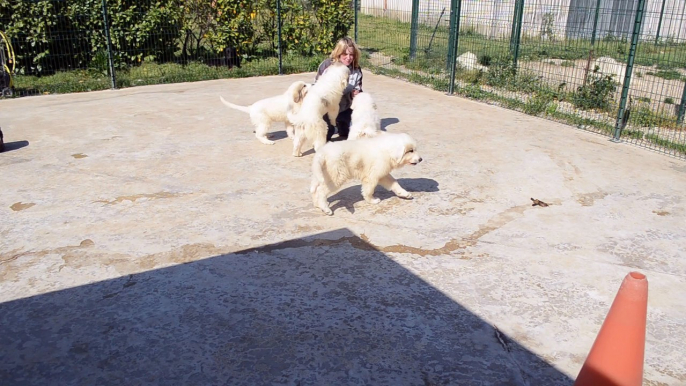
(597, 93)
(232, 26)
(30, 26)
(500, 74)
(334, 18)
(74, 31)
(503, 74)
(308, 28)
(57, 35)
(536, 104)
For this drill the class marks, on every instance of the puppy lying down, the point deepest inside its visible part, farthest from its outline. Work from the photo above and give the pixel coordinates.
(369, 160)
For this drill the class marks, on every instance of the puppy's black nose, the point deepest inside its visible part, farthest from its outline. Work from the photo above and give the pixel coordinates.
(420, 160)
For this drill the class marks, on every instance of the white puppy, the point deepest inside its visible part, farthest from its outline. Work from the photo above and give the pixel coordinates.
(369, 160)
(273, 109)
(322, 98)
(365, 119)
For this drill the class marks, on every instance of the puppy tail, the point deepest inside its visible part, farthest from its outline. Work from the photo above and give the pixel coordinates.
(245, 109)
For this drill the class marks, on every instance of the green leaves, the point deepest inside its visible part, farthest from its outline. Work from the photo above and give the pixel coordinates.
(55, 35)
(75, 30)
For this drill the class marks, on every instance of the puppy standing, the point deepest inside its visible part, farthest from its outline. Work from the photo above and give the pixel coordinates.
(369, 160)
(365, 119)
(274, 109)
(322, 98)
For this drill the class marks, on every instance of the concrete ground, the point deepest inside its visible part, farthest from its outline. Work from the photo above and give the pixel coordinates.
(147, 237)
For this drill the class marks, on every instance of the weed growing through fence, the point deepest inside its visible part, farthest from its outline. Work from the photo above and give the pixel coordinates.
(678, 147)
(597, 93)
(643, 116)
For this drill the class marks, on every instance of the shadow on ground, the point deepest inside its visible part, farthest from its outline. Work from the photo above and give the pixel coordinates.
(323, 310)
(385, 122)
(16, 145)
(348, 197)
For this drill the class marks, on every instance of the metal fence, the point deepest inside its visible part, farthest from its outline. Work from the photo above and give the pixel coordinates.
(616, 67)
(81, 45)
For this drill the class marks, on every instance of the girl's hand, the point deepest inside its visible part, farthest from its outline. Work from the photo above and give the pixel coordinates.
(355, 92)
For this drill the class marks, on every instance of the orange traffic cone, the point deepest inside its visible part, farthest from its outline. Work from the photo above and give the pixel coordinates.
(616, 358)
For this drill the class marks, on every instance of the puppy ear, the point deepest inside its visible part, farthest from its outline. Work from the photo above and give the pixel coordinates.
(403, 144)
(300, 94)
(399, 151)
(297, 93)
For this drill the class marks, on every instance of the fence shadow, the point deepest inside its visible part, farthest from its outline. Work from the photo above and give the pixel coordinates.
(325, 310)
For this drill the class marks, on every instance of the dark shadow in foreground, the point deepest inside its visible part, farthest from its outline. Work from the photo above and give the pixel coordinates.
(324, 310)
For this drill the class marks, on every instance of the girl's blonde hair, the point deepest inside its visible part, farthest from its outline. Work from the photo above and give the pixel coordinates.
(342, 46)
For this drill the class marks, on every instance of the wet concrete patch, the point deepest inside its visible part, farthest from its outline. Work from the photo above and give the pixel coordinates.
(19, 206)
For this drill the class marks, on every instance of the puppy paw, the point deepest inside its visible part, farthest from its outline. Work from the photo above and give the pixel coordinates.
(374, 201)
(327, 211)
(266, 141)
(405, 195)
(297, 154)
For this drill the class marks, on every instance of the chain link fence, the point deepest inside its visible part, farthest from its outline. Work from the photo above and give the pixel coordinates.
(616, 67)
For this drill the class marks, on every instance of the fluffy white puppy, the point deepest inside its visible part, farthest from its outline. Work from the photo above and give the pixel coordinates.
(322, 98)
(369, 160)
(273, 109)
(365, 119)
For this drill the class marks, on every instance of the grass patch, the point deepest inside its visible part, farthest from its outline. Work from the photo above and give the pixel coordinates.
(436, 83)
(666, 144)
(667, 74)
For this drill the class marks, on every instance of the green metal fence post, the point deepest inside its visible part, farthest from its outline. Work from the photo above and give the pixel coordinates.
(455, 11)
(682, 107)
(513, 32)
(110, 56)
(355, 4)
(519, 12)
(452, 36)
(640, 8)
(595, 22)
(659, 23)
(414, 26)
(278, 32)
